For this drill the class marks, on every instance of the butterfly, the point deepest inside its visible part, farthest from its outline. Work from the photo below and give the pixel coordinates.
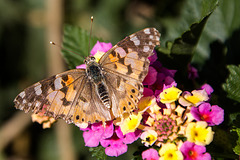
(103, 91)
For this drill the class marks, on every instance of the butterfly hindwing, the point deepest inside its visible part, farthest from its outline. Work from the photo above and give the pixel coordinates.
(125, 94)
(126, 65)
(89, 108)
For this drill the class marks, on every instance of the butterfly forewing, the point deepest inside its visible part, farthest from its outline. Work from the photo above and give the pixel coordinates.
(72, 96)
(55, 96)
(129, 57)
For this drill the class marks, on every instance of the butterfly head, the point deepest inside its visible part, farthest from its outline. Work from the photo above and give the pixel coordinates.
(89, 59)
(93, 69)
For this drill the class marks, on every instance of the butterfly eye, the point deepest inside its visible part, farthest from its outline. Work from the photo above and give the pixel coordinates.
(92, 58)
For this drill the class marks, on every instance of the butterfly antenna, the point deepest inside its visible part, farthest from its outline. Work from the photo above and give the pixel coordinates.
(90, 36)
(53, 43)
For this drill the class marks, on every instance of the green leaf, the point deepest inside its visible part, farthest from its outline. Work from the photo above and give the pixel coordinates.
(180, 52)
(222, 144)
(98, 152)
(232, 85)
(235, 119)
(236, 149)
(222, 23)
(76, 45)
(230, 15)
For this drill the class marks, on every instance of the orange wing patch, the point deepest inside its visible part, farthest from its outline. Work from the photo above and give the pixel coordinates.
(68, 79)
(112, 58)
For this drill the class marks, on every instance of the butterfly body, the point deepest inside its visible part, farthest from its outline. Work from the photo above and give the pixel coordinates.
(104, 90)
(95, 75)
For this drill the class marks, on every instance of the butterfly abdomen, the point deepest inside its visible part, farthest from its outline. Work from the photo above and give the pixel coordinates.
(94, 73)
(103, 94)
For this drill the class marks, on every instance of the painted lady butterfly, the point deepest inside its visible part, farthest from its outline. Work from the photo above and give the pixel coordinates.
(101, 92)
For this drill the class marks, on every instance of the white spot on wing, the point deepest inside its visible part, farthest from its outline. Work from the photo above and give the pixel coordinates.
(37, 104)
(135, 40)
(22, 94)
(57, 83)
(147, 31)
(38, 89)
(146, 48)
(121, 51)
(52, 95)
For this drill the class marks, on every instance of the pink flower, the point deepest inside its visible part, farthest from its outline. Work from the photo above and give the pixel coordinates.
(150, 154)
(114, 146)
(96, 132)
(153, 58)
(147, 92)
(157, 77)
(98, 47)
(207, 88)
(110, 137)
(117, 143)
(192, 72)
(213, 115)
(151, 77)
(82, 66)
(191, 151)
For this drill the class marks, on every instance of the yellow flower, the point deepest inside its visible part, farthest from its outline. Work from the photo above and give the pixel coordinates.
(131, 123)
(170, 95)
(145, 103)
(154, 109)
(98, 55)
(199, 133)
(169, 151)
(149, 137)
(195, 97)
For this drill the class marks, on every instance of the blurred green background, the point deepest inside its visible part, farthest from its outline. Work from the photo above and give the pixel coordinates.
(27, 26)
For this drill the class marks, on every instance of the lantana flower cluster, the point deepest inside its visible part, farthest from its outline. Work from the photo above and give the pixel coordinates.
(173, 124)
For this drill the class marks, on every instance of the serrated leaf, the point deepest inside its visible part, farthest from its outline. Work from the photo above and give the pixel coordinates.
(232, 85)
(179, 53)
(222, 23)
(98, 152)
(76, 45)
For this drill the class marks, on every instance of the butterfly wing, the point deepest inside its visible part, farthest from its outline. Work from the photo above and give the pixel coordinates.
(67, 95)
(71, 96)
(125, 67)
(89, 108)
